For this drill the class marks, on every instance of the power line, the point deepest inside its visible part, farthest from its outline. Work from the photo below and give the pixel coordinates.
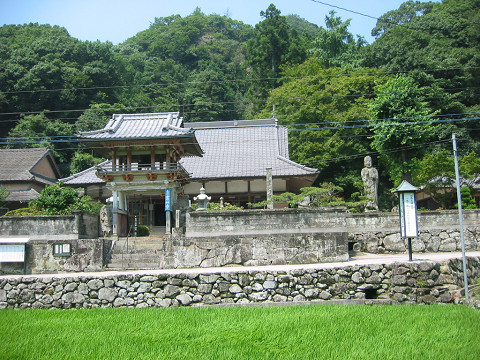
(124, 108)
(165, 84)
(78, 139)
(405, 26)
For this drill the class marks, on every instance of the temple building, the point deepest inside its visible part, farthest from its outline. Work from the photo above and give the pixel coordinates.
(144, 174)
(157, 165)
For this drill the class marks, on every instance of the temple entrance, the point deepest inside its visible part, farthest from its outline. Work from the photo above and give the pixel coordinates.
(159, 214)
(149, 212)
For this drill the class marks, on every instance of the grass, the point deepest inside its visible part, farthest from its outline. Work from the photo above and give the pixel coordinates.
(292, 332)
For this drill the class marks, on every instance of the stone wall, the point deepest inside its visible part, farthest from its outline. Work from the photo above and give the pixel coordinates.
(412, 282)
(255, 250)
(438, 231)
(260, 237)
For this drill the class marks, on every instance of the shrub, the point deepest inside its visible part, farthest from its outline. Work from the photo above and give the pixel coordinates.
(58, 200)
(143, 230)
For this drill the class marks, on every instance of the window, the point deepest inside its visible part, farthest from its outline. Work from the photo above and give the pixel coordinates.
(62, 249)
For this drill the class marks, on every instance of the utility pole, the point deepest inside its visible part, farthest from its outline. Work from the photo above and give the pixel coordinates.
(460, 214)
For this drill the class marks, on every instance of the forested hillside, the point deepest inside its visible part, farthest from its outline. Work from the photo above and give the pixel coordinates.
(398, 99)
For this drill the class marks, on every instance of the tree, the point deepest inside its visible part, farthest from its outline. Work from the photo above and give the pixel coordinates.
(436, 174)
(402, 125)
(404, 15)
(4, 192)
(438, 43)
(37, 130)
(335, 46)
(273, 45)
(82, 161)
(324, 109)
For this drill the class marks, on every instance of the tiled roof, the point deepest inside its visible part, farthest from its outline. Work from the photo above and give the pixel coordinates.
(140, 126)
(86, 176)
(232, 149)
(22, 195)
(145, 127)
(242, 149)
(16, 164)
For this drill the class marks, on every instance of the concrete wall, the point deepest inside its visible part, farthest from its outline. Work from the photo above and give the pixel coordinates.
(79, 230)
(412, 282)
(265, 222)
(77, 226)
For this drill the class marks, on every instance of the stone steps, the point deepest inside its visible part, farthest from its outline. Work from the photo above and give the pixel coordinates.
(141, 254)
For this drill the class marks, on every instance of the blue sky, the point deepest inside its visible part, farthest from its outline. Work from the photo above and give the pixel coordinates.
(117, 20)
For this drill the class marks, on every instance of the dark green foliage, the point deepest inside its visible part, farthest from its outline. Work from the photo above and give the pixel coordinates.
(143, 230)
(82, 161)
(327, 194)
(335, 46)
(468, 202)
(60, 200)
(4, 192)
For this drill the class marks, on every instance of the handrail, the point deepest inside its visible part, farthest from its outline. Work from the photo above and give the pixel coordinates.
(132, 227)
(158, 166)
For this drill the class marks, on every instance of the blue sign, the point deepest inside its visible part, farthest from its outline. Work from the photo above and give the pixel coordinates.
(168, 206)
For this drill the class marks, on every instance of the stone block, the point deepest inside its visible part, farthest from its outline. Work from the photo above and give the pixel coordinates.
(235, 289)
(209, 279)
(399, 280)
(258, 296)
(184, 299)
(171, 291)
(394, 243)
(73, 298)
(210, 299)
(107, 294)
(357, 278)
(70, 287)
(312, 293)
(279, 298)
(95, 284)
(270, 284)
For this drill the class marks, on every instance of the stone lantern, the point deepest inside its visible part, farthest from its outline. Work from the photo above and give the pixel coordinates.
(202, 199)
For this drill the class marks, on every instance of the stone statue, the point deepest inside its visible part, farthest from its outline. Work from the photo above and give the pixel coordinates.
(370, 181)
(106, 219)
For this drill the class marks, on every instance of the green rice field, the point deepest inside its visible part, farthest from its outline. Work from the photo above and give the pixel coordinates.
(263, 332)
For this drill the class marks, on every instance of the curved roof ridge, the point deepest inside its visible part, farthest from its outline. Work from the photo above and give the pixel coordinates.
(304, 167)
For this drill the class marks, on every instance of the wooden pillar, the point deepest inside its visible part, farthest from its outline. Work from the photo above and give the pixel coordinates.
(114, 159)
(152, 157)
(129, 158)
(168, 157)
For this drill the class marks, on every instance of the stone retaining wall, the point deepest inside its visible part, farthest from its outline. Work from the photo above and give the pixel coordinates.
(254, 250)
(438, 231)
(412, 282)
